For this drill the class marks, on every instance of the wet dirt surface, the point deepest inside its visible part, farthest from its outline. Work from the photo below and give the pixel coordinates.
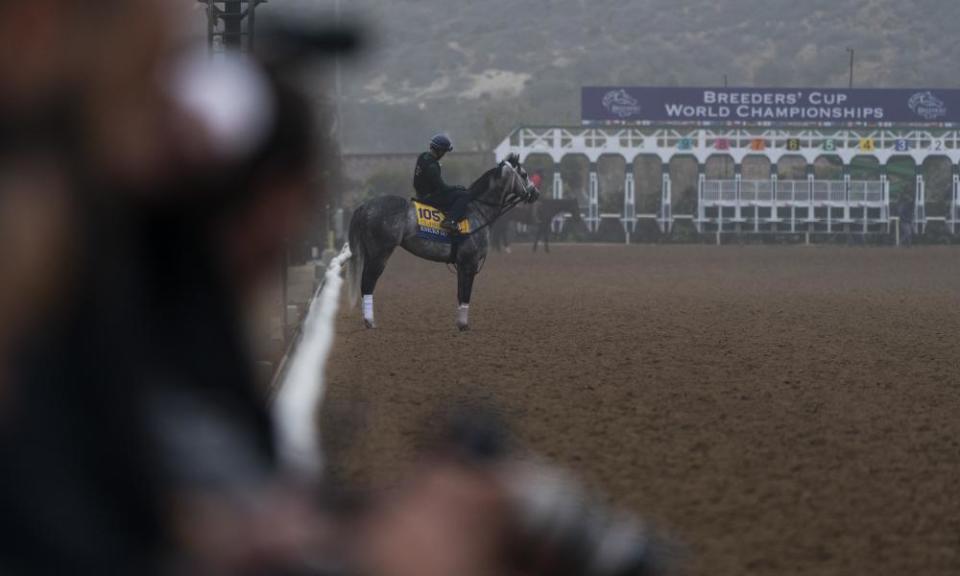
(781, 410)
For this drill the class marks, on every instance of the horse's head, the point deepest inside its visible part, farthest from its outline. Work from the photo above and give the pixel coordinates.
(513, 172)
(502, 188)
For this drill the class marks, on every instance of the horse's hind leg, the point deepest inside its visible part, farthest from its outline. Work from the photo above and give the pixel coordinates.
(464, 289)
(543, 233)
(373, 268)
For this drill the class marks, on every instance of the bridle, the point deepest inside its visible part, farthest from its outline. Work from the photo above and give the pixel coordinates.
(506, 203)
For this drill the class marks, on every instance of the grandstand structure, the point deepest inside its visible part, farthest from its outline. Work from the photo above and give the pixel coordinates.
(768, 205)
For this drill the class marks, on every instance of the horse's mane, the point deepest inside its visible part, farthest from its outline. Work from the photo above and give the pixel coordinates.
(483, 182)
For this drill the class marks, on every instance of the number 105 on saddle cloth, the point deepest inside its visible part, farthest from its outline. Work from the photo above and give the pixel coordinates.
(428, 223)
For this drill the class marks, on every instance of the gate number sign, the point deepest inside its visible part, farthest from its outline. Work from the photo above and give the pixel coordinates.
(793, 144)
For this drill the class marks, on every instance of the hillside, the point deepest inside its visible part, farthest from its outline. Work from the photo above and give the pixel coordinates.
(477, 68)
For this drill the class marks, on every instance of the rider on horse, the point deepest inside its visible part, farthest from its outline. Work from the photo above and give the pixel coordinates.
(432, 189)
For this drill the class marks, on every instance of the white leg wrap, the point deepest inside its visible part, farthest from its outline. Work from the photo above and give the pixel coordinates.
(463, 313)
(368, 307)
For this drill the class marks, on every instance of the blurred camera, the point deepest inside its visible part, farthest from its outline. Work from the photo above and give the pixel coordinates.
(558, 528)
(562, 530)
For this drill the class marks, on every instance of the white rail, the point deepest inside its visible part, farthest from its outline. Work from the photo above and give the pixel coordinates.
(303, 387)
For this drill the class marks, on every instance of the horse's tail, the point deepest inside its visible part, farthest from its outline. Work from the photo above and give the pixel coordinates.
(357, 251)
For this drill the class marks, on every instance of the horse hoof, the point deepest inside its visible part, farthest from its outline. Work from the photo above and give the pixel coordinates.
(463, 327)
(369, 324)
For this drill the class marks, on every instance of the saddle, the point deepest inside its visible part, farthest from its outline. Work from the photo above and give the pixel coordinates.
(426, 201)
(429, 218)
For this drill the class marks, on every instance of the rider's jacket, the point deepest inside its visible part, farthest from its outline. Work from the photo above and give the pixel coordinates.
(427, 180)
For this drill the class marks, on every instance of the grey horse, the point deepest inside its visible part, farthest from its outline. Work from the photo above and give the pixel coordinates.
(380, 225)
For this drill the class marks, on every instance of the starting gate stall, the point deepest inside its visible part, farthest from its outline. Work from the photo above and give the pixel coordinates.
(954, 217)
(701, 123)
(769, 205)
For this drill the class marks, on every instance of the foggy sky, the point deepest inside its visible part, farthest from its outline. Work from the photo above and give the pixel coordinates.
(478, 68)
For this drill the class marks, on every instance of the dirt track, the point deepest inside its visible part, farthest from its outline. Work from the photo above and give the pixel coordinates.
(783, 410)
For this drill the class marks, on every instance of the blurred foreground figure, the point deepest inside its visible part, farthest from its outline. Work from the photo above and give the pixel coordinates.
(76, 95)
(138, 216)
(129, 242)
(34, 72)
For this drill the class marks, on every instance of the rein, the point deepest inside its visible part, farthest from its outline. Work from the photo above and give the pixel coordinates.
(509, 203)
(506, 204)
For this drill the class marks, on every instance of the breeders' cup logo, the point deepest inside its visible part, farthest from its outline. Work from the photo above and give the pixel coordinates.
(927, 106)
(621, 104)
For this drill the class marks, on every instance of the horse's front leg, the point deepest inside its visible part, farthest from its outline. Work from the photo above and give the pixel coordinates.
(465, 276)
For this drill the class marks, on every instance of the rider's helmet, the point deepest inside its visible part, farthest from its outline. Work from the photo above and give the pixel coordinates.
(441, 143)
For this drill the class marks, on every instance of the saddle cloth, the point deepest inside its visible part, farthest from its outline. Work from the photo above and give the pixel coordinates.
(428, 223)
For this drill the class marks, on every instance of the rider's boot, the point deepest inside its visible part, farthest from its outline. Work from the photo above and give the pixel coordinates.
(450, 225)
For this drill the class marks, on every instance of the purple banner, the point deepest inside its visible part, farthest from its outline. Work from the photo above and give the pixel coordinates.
(770, 105)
